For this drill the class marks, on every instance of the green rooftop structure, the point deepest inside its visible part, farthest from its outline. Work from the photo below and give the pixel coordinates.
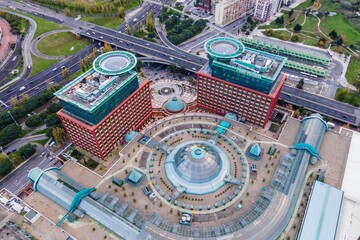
(254, 151)
(286, 51)
(95, 93)
(222, 127)
(229, 60)
(130, 136)
(135, 177)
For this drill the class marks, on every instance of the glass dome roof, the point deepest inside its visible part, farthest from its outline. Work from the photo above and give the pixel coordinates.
(198, 166)
(197, 163)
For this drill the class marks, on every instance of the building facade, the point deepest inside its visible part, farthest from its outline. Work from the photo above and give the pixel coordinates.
(242, 81)
(264, 9)
(104, 103)
(227, 11)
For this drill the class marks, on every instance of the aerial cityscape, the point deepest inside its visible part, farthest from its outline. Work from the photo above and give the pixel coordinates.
(179, 119)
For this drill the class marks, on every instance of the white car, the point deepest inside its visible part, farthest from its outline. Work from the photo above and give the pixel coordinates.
(22, 88)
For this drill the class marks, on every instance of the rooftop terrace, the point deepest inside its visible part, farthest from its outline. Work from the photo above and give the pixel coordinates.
(229, 55)
(110, 73)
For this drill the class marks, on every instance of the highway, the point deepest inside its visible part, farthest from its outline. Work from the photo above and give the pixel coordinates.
(336, 110)
(18, 179)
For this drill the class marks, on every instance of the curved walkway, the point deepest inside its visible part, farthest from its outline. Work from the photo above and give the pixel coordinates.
(35, 42)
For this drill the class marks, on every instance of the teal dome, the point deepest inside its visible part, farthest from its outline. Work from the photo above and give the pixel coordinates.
(231, 116)
(130, 136)
(174, 105)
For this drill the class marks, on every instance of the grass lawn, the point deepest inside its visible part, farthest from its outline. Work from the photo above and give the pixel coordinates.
(39, 132)
(350, 34)
(40, 64)
(42, 142)
(59, 44)
(350, 98)
(278, 34)
(353, 71)
(43, 25)
(310, 24)
(72, 76)
(109, 22)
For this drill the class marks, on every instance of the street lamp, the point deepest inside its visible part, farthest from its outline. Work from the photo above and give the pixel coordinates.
(12, 117)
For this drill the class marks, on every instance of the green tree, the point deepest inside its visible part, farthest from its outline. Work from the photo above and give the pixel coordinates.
(280, 20)
(53, 107)
(300, 84)
(297, 28)
(339, 41)
(52, 120)
(291, 12)
(27, 150)
(342, 94)
(5, 165)
(33, 121)
(333, 35)
(9, 133)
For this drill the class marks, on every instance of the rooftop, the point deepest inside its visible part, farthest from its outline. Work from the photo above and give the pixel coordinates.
(230, 55)
(322, 214)
(110, 72)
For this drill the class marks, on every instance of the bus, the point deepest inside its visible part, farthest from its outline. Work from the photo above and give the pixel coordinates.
(309, 75)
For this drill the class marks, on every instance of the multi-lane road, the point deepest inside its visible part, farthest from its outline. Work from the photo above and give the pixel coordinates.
(345, 113)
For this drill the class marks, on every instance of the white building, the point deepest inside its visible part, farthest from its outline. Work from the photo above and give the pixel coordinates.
(264, 9)
(227, 11)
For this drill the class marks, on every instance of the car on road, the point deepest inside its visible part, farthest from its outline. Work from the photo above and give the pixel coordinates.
(22, 88)
(42, 154)
(54, 69)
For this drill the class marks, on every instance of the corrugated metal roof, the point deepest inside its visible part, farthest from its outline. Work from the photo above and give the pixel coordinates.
(322, 214)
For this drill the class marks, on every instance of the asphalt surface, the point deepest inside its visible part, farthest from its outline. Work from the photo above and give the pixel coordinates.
(5, 70)
(18, 179)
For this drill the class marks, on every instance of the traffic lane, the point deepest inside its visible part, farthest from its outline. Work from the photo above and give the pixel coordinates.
(36, 83)
(10, 65)
(325, 101)
(313, 106)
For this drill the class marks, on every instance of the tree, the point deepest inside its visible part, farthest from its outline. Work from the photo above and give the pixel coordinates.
(121, 12)
(300, 84)
(269, 32)
(65, 72)
(291, 12)
(52, 120)
(33, 121)
(9, 133)
(67, 12)
(295, 38)
(339, 41)
(14, 101)
(280, 20)
(59, 135)
(25, 97)
(333, 35)
(342, 94)
(27, 150)
(53, 107)
(297, 28)
(107, 47)
(5, 165)
(128, 29)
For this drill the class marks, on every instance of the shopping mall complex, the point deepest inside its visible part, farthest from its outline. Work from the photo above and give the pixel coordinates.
(191, 162)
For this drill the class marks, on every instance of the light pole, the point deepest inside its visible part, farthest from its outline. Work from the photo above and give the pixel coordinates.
(12, 117)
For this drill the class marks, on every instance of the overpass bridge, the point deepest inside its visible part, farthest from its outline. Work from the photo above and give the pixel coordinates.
(340, 111)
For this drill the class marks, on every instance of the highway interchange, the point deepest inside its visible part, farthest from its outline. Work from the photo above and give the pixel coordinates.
(334, 109)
